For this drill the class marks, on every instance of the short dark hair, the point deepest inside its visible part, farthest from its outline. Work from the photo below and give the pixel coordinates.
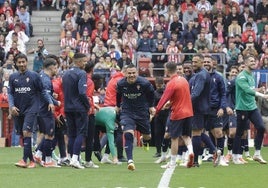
(20, 56)
(201, 57)
(89, 67)
(48, 62)
(131, 65)
(159, 80)
(171, 67)
(79, 55)
(56, 58)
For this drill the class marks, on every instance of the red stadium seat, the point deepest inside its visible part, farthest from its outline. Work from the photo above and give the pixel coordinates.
(143, 65)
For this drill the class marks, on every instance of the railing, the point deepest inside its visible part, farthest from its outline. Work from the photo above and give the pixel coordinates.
(222, 56)
(261, 78)
(139, 55)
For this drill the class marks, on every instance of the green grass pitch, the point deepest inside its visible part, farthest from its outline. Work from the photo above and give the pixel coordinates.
(146, 175)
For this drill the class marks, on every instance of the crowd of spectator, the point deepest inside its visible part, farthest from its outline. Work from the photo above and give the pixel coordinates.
(114, 33)
(15, 31)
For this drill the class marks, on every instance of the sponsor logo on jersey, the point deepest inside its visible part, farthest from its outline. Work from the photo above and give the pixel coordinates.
(132, 95)
(22, 89)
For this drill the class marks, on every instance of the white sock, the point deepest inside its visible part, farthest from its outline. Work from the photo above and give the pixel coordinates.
(230, 152)
(173, 159)
(106, 156)
(246, 153)
(75, 158)
(48, 159)
(235, 157)
(63, 158)
(38, 153)
(257, 152)
(179, 157)
(183, 156)
(164, 154)
(190, 148)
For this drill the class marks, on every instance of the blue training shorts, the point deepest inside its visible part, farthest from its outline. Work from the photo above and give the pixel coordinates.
(77, 123)
(47, 125)
(177, 128)
(130, 123)
(198, 121)
(24, 123)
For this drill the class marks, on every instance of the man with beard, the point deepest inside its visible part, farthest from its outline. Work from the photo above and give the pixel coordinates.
(218, 105)
(200, 87)
(46, 120)
(246, 109)
(135, 102)
(25, 89)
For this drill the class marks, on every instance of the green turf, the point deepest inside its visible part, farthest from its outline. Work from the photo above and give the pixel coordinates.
(147, 174)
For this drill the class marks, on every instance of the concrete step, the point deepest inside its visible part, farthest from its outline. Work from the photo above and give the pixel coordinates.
(52, 39)
(47, 14)
(46, 26)
(46, 29)
(46, 19)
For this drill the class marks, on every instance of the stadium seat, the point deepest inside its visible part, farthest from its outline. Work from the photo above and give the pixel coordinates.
(143, 65)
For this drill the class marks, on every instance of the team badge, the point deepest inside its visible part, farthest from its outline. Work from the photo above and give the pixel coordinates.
(27, 79)
(138, 87)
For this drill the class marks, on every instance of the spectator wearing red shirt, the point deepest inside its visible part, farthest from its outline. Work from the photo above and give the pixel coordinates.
(100, 10)
(101, 32)
(248, 32)
(3, 95)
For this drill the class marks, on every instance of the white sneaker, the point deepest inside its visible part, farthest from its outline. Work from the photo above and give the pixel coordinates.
(223, 162)
(206, 157)
(161, 160)
(76, 164)
(117, 163)
(237, 161)
(106, 160)
(259, 159)
(90, 164)
(184, 163)
(168, 165)
(131, 165)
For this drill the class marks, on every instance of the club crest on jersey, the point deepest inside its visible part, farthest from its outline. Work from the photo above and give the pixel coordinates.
(138, 87)
(27, 79)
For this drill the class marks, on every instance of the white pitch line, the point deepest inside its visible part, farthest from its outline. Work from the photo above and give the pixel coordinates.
(164, 182)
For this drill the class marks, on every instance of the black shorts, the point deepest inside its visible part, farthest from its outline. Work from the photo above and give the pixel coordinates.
(177, 128)
(214, 122)
(231, 122)
(61, 128)
(24, 123)
(46, 125)
(198, 121)
(129, 123)
(77, 123)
